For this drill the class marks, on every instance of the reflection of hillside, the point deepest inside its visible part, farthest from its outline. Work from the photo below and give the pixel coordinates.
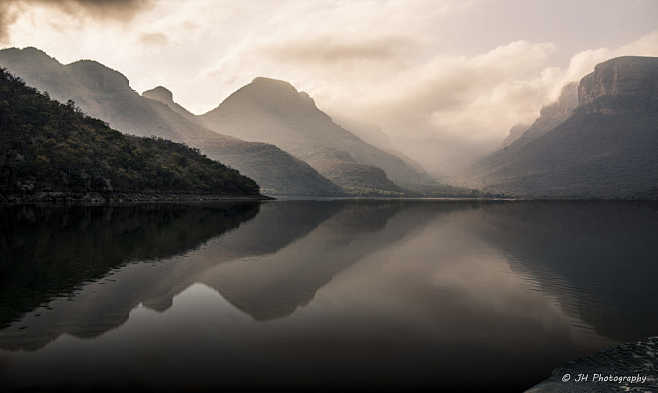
(48, 252)
(598, 258)
(83, 254)
(275, 285)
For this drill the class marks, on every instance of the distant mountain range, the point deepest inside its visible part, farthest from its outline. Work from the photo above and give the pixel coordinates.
(52, 150)
(599, 140)
(267, 130)
(106, 94)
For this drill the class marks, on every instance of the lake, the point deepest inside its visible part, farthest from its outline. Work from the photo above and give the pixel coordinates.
(320, 295)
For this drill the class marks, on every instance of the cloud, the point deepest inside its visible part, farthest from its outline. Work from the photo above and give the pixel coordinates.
(329, 49)
(450, 110)
(448, 84)
(118, 10)
(153, 39)
(583, 63)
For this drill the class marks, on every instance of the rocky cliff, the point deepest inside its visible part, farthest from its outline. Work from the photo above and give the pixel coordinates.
(623, 84)
(605, 147)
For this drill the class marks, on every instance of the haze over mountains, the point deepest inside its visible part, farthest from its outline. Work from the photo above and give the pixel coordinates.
(104, 93)
(603, 147)
(276, 170)
(274, 111)
(550, 116)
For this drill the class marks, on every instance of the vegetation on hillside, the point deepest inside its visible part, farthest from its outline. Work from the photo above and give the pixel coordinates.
(49, 146)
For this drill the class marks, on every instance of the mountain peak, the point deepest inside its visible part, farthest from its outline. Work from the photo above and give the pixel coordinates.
(261, 81)
(621, 84)
(277, 95)
(99, 76)
(628, 61)
(27, 56)
(30, 50)
(279, 88)
(161, 94)
(275, 89)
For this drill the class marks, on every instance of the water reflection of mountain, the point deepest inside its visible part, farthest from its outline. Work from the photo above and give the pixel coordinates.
(269, 260)
(76, 259)
(597, 258)
(52, 251)
(68, 270)
(275, 285)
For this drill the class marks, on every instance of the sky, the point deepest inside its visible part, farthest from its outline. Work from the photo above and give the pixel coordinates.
(442, 81)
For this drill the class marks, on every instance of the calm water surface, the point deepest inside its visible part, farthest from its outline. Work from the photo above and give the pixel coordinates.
(320, 295)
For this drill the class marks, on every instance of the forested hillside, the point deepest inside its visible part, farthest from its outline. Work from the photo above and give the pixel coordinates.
(46, 146)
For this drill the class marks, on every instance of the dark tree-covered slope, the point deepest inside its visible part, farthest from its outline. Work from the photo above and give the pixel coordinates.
(46, 146)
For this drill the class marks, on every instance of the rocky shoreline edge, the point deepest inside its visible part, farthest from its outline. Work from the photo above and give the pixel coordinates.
(119, 197)
(629, 367)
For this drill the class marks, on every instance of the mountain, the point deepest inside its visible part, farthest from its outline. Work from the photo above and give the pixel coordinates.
(107, 95)
(278, 172)
(49, 147)
(273, 111)
(603, 147)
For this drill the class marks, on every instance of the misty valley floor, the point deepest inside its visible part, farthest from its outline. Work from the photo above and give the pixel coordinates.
(321, 295)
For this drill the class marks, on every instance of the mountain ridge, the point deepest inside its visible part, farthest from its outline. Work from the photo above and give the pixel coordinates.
(106, 94)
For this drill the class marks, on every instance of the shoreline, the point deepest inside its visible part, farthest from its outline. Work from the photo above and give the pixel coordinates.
(96, 198)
